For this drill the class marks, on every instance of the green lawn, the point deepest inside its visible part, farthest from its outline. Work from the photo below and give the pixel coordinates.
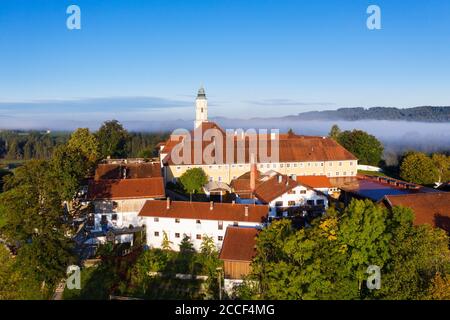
(372, 173)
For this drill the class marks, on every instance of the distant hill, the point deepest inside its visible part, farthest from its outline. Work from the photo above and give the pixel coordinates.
(422, 114)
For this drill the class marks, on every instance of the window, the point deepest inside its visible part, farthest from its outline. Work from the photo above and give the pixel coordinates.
(337, 174)
(302, 191)
(155, 219)
(210, 167)
(177, 235)
(309, 164)
(316, 164)
(310, 202)
(295, 165)
(340, 164)
(261, 166)
(288, 165)
(321, 164)
(220, 238)
(291, 191)
(291, 203)
(198, 222)
(320, 202)
(268, 165)
(178, 168)
(351, 163)
(220, 225)
(177, 220)
(352, 173)
(330, 164)
(220, 179)
(236, 224)
(199, 237)
(274, 165)
(156, 234)
(345, 173)
(201, 110)
(234, 177)
(278, 203)
(114, 217)
(281, 165)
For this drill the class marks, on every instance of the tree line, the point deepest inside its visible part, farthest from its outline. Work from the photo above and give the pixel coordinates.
(18, 145)
(423, 114)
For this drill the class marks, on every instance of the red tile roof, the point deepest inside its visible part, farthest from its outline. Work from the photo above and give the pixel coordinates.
(202, 211)
(272, 188)
(239, 244)
(121, 189)
(430, 208)
(241, 185)
(132, 170)
(292, 148)
(314, 181)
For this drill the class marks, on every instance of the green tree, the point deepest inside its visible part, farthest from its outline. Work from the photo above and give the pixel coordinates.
(417, 167)
(334, 133)
(442, 164)
(329, 259)
(363, 145)
(82, 139)
(14, 284)
(193, 180)
(69, 166)
(113, 140)
(32, 209)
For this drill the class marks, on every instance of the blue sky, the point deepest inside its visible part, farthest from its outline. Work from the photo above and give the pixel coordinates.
(140, 60)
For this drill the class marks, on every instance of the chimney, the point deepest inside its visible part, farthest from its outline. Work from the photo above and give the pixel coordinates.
(280, 178)
(246, 211)
(233, 202)
(211, 205)
(168, 203)
(252, 173)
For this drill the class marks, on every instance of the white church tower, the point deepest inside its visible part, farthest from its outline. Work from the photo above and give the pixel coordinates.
(201, 108)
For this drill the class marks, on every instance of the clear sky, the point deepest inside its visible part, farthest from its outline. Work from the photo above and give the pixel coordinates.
(145, 59)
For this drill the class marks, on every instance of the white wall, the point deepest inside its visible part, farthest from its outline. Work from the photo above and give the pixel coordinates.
(126, 210)
(188, 227)
(299, 198)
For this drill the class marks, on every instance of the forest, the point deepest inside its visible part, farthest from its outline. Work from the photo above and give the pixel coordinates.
(423, 114)
(27, 145)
